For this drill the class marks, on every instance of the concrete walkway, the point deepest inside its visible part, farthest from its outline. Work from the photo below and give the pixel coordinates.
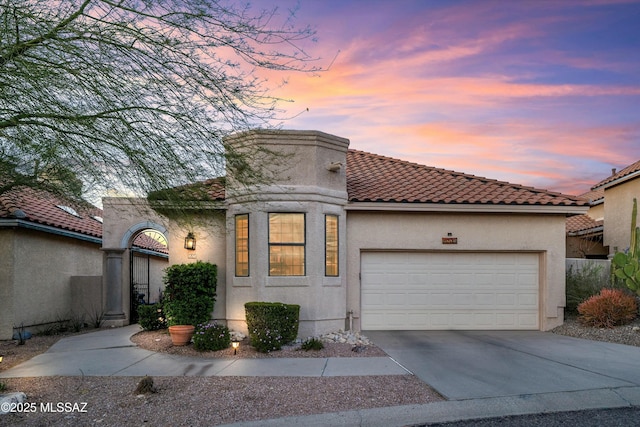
(110, 352)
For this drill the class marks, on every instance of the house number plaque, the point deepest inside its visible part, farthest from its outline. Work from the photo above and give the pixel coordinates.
(449, 240)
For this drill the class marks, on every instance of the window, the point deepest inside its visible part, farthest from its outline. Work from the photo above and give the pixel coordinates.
(331, 245)
(242, 245)
(286, 244)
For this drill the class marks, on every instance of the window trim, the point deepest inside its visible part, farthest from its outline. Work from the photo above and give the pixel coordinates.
(236, 217)
(303, 244)
(326, 245)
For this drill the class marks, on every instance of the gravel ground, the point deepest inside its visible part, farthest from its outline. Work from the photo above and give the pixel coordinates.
(196, 401)
(627, 334)
(209, 401)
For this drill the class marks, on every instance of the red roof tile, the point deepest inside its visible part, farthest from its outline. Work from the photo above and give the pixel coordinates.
(42, 207)
(595, 195)
(583, 223)
(375, 178)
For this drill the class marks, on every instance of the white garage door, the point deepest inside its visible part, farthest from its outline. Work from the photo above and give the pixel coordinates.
(445, 290)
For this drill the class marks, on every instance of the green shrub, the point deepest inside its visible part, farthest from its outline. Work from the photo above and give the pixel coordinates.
(585, 282)
(312, 344)
(3, 387)
(271, 324)
(189, 293)
(610, 308)
(211, 337)
(151, 317)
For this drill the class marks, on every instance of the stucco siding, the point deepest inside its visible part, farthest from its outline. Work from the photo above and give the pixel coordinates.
(6, 283)
(617, 213)
(541, 234)
(42, 269)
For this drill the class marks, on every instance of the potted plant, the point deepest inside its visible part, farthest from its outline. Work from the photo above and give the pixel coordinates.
(189, 298)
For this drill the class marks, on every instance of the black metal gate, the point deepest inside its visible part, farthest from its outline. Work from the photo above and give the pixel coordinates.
(139, 269)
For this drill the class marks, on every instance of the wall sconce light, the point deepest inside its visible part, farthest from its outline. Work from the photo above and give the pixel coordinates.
(235, 344)
(190, 242)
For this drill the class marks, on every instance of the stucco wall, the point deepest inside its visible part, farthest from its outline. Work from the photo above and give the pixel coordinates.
(300, 182)
(6, 283)
(542, 234)
(617, 214)
(210, 247)
(42, 269)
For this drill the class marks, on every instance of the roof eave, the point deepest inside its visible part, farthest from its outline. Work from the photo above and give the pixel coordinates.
(587, 232)
(49, 229)
(466, 208)
(622, 179)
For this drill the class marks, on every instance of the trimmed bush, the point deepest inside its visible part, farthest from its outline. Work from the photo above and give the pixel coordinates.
(151, 317)
(611, 307)
(211, 337)
(190, 292)
(271, 324)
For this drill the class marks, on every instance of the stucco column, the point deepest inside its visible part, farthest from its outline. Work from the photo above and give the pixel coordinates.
(114, 315)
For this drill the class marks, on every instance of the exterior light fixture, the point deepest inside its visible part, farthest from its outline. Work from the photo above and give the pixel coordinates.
(235, 344)
(190, 242)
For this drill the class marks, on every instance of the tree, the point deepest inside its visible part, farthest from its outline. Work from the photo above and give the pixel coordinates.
(135, 95)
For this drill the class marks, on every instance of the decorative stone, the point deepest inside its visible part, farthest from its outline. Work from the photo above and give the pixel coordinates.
(10, 399)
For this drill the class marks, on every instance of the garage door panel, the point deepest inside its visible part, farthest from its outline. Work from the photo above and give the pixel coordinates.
(449, 291)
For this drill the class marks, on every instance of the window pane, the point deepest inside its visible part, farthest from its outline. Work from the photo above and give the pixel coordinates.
(286, 228)
(242, 245)
(331, 245)
(286, 260)
(286, 244)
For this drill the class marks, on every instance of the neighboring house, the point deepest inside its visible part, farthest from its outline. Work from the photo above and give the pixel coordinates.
(51, 260)
(362, 239)
(606, 227)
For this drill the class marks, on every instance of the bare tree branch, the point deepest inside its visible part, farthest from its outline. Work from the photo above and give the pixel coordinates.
(136, 95)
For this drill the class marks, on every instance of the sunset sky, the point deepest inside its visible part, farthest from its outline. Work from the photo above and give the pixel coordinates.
(541, 93)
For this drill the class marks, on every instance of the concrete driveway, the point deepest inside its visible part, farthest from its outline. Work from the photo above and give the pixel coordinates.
(479, 364)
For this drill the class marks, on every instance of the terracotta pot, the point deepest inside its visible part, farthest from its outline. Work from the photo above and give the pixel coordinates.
(181, 334)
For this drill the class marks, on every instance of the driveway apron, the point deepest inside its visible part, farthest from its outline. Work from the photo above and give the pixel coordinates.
(479, 364)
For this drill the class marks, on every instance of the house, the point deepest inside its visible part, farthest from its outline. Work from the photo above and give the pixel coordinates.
(51, 260)
(606, 227)
(367, 241)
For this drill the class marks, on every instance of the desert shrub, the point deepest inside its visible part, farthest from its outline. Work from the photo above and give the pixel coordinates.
(151, 317)
(585, 282)
(312, 344)
(271, 324)
(611, 307)
(190, 292)
(211, 337)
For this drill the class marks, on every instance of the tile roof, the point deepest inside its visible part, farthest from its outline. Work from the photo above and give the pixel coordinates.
(595, 195)
(209, 190)
(44, 208)
(634, 167)
(582, 223)
(375, 178)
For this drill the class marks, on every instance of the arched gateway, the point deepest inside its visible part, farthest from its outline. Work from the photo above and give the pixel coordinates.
(135, 245)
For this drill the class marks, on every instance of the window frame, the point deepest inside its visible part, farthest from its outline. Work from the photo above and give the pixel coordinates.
(236, 248)
(288, 244)
(337, 245)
